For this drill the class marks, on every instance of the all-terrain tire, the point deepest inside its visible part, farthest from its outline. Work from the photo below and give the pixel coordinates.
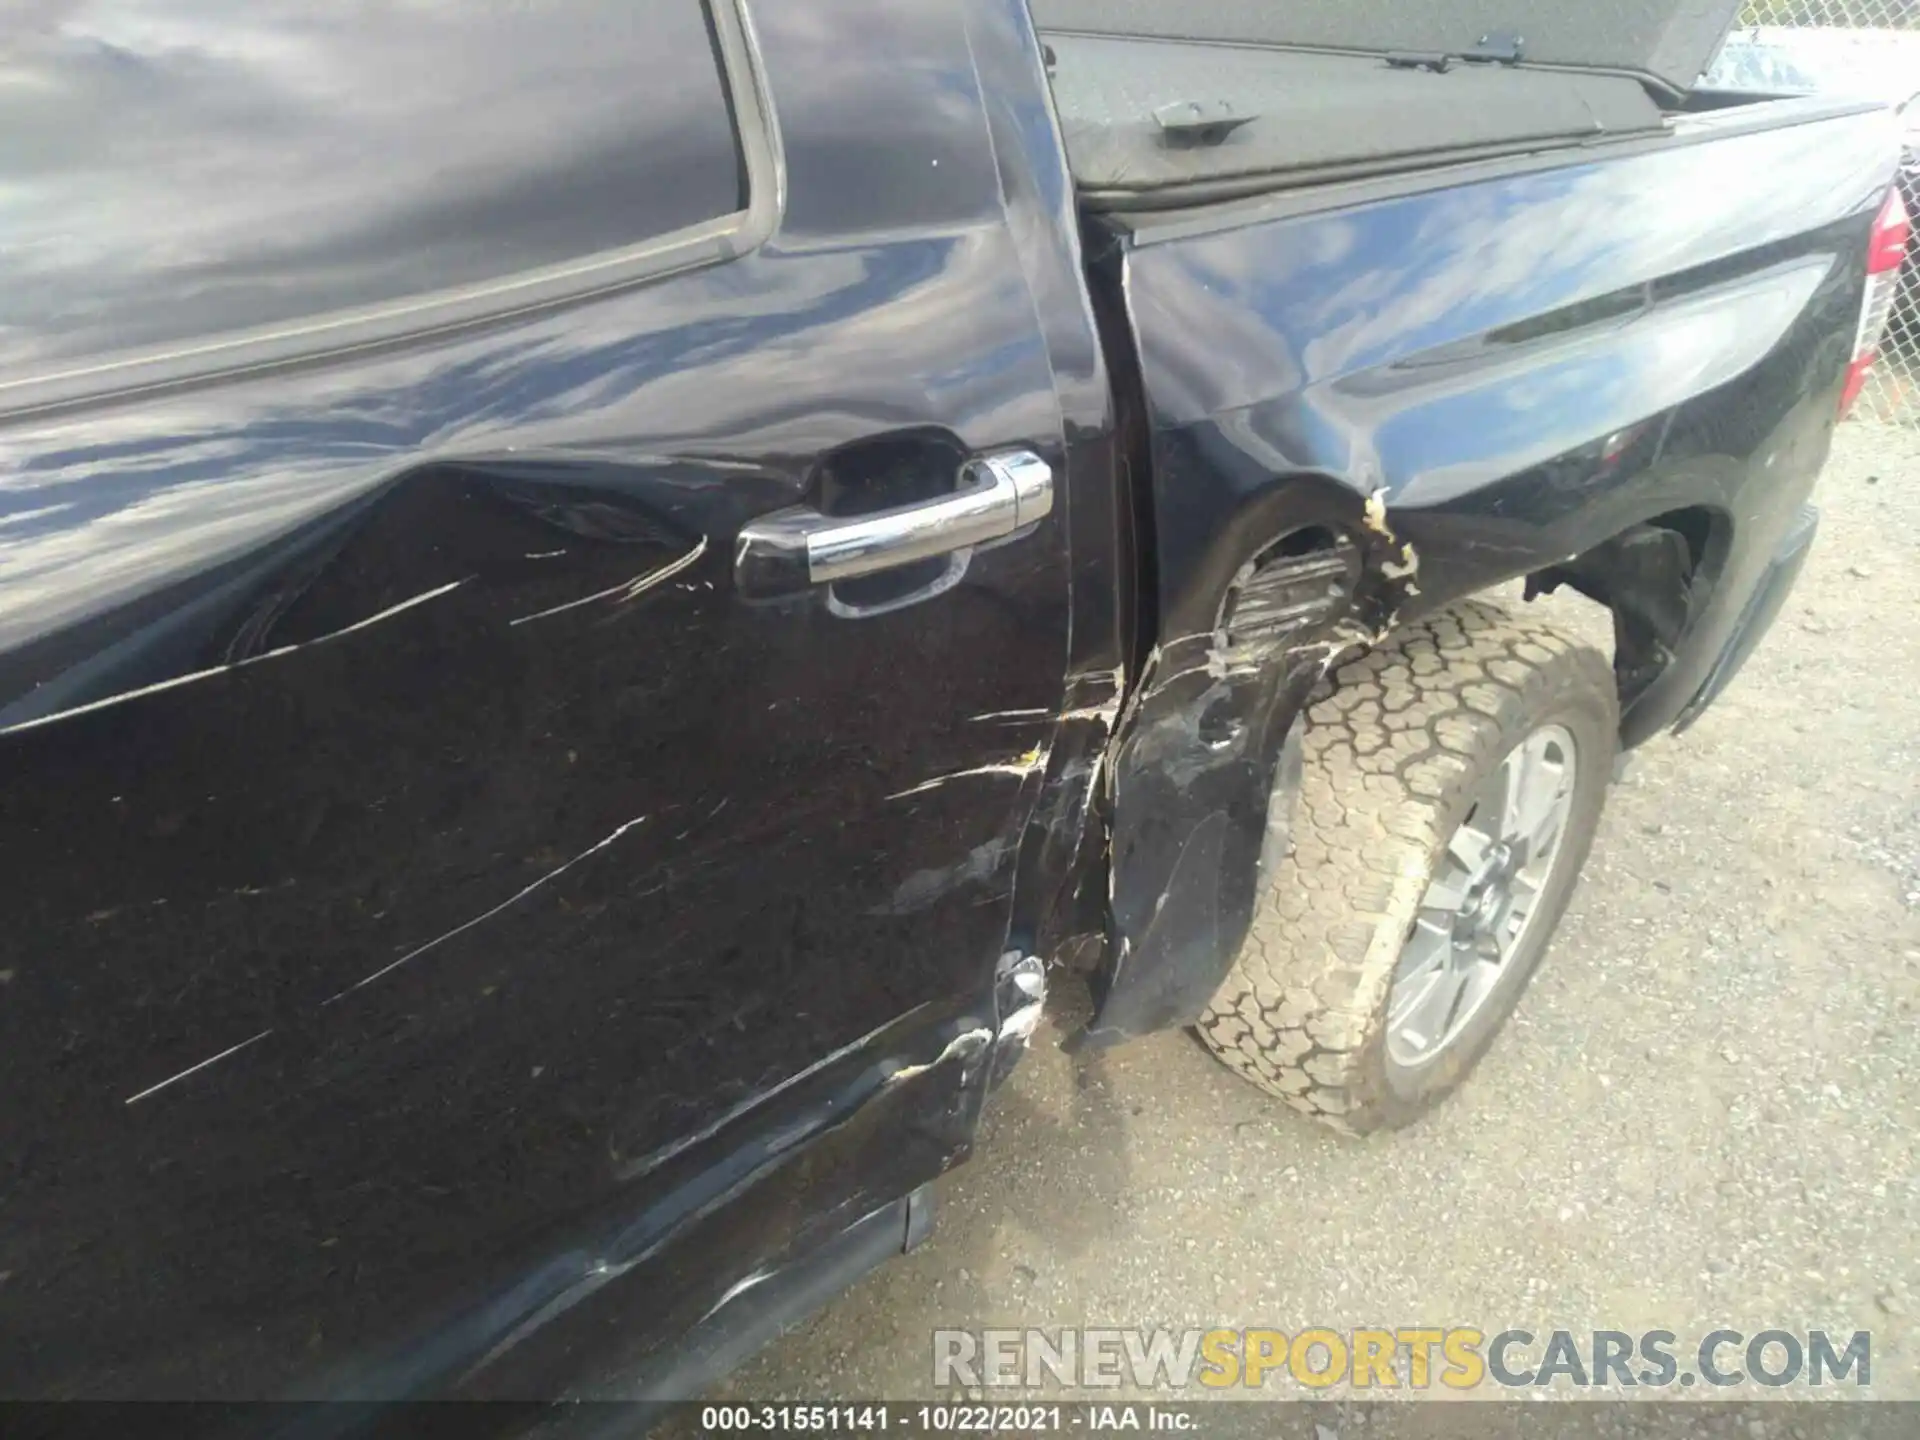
(1397, 745)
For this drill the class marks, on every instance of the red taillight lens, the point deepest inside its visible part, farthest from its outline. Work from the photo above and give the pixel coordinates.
(1890, 235)
(1886, 252)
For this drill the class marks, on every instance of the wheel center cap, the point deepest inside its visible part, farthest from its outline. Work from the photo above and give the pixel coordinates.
(1486, 895)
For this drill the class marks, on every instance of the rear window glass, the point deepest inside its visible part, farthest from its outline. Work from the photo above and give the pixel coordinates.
(172, 170)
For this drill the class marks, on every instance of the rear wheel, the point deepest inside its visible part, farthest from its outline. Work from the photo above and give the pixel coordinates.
(1453, 782)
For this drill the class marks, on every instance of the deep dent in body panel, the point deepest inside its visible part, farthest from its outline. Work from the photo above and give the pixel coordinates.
(1193, 764)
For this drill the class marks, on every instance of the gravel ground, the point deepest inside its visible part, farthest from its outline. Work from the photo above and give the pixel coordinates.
(1705, 1113)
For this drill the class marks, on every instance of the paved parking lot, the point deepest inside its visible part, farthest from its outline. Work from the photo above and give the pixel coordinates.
(1706, 1112)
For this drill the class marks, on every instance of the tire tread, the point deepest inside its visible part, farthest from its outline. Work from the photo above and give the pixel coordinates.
(1388, 740)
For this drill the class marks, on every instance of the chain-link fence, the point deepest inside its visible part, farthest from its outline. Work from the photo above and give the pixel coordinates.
(1864, 47)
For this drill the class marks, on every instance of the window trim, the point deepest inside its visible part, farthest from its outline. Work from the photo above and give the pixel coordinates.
(439, 312)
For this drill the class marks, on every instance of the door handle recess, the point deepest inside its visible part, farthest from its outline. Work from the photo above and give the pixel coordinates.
(797, 547)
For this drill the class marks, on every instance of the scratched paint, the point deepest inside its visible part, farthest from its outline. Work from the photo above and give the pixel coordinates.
(211, 1060)
(626, 590)
(1021, 765)
(966, 1043)
(407, 958)
(484, 916)
(179, 680)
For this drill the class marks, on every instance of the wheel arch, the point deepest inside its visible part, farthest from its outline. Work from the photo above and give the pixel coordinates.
(1655, 577)
(1204, 763)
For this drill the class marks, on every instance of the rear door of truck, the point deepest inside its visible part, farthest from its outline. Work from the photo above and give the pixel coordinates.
(480, 891)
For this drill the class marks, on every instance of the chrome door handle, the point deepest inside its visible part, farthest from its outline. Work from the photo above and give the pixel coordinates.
(793, 548)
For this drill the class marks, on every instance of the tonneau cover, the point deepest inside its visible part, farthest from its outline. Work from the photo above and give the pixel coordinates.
(1312, 112)
(1670, 40)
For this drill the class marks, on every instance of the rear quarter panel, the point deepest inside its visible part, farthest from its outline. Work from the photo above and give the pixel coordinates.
(1472, 374)
(1519, 366)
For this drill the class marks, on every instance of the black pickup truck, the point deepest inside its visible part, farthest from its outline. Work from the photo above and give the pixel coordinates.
(595, 598)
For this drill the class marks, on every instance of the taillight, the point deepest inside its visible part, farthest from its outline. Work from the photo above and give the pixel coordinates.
(1886, 250)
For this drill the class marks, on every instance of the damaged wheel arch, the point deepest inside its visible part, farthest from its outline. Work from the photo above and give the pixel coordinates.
(1204, 764)
(1200, 778)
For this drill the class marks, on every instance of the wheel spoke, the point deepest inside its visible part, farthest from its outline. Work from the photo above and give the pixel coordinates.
(1447, 893)
(1426, 951)
(1542, 839)
(1536, 811)
(1470, 847)
(1547, 821)
(1475, 980)
(1424, 1008)
(1516, 774)
(1524, 895)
